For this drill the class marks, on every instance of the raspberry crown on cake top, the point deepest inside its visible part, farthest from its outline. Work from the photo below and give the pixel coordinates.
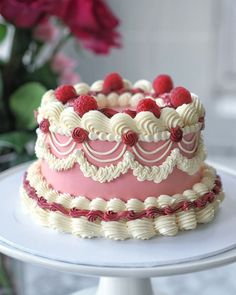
(114, 109)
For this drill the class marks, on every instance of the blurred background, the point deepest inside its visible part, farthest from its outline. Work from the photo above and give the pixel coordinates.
(193, 41)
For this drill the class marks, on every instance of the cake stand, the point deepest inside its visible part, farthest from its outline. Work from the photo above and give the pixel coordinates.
(124, 267)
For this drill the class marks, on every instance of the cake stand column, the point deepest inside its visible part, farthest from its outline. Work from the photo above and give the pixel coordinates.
(124, 286)
(121, 286)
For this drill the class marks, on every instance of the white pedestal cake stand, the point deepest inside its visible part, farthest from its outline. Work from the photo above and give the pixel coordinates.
(125, 267)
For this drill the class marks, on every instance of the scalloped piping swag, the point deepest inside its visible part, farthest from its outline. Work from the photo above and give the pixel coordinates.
(111, 172)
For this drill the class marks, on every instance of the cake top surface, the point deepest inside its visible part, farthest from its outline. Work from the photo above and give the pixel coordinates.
(111, 107)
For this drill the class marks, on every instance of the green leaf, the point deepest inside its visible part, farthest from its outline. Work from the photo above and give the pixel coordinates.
(24, 101)
(3, 32)
(45, 76)
(15, 140)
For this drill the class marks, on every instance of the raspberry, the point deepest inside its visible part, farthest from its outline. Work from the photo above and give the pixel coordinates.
(112, 82)
(179, 96)
(130, 112)
(84, 104)
(162, 84)
(65, 92)
(149, 105)
(108, 112)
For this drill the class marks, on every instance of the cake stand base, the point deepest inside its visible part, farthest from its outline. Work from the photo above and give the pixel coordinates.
(120, 286)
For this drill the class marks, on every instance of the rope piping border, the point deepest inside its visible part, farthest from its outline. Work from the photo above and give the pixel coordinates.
(150, 213)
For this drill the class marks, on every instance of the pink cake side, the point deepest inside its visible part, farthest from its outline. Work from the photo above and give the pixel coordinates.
(126, 186)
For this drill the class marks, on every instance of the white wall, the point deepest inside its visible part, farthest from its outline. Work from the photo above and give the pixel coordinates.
(175, 37)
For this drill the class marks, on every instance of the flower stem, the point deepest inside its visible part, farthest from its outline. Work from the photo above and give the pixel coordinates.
(62, 42)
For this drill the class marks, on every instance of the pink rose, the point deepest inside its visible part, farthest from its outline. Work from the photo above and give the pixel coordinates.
(36, 115)
(44, 126)
(130, 138)
(176, 134)
(92, 22)
(69, 77)
(65, 67)
(62, 62)
(26, 13)
(46, 31)
(79, 135)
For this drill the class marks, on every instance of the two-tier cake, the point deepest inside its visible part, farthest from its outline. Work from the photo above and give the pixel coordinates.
(121, 160)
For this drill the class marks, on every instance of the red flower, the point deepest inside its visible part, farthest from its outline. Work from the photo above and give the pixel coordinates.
(92, 22)
(176, 134)
(130, 138)
(79, 135)
(44, 125)
(89, 20)
(26, 13)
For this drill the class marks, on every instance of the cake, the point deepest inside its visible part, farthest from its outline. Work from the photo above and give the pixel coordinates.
(121, 160)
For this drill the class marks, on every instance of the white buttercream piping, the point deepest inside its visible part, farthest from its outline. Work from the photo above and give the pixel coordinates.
(111, 172)
(154, 151)
(162, 135)
(65, 153)
(182, 148)
(156, 159)
(119, 230)
(188, 142)
(88, 147)
(63, 118)
(58, 143)
(85, 147)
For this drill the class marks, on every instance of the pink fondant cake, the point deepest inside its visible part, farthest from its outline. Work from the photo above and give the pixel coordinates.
(121, 161)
